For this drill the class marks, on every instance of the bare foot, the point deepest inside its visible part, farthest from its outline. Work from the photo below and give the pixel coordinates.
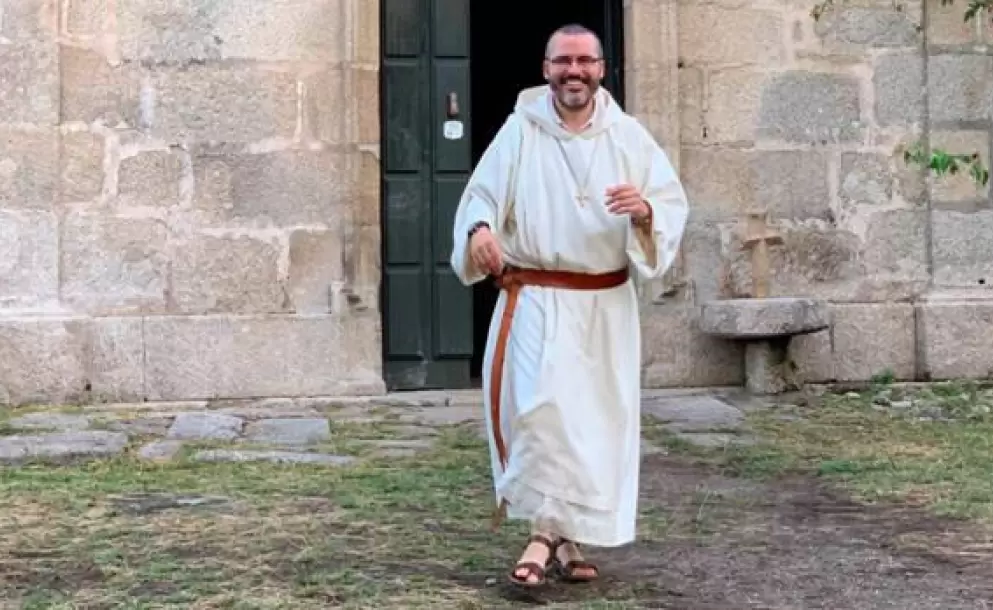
(531, 566)
(573, 566)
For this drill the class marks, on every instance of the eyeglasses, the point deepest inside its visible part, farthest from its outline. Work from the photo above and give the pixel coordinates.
(564, 61)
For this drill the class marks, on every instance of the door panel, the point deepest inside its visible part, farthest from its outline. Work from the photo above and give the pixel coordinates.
(427, 312)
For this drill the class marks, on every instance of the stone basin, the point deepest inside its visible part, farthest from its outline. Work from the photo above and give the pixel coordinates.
(767, 318)
(766, 326)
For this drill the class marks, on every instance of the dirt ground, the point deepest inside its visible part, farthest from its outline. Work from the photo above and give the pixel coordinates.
(794, 544)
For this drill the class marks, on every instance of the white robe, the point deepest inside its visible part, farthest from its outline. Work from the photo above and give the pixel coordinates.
(571, 402)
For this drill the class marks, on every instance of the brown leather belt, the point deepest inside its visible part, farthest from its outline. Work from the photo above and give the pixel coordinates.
(512, 280)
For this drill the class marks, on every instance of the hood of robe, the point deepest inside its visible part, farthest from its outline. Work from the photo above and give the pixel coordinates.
(536, 105)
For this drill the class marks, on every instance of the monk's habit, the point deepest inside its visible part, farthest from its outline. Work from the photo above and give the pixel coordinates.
(570, 411)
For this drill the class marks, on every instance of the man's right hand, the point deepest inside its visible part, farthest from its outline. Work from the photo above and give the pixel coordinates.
(485, 252)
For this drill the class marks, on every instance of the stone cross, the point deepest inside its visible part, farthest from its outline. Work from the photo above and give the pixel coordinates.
(757, 238)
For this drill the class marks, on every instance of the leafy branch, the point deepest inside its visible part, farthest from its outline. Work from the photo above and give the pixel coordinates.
(941, 162)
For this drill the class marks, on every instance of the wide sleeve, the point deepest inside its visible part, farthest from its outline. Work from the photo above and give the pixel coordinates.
(487, 197)
(653, 245)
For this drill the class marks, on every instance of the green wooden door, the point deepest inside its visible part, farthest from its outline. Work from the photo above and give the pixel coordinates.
(427, 330)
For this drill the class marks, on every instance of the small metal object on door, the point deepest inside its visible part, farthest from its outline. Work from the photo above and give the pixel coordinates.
(453, 130)
(452, 106)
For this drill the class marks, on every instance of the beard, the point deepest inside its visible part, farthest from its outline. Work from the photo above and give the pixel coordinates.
(571, 96)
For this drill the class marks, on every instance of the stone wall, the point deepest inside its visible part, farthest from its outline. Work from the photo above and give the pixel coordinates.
(809, 120)
(189, 190)
(189, 199)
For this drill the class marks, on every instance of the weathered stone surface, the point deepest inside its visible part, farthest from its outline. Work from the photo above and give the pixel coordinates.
(704, 261)
(316, 269)
(872, 27)
(49, 421)
(691, 106)
(865, 178)
(29, 168)
(894, 246)
(763, 318)
(870, 338)
(288, 431)
(813, 357)
(768, 369)
(811, 261)
(792, 184)
(29, 20)
(113, 357)
(237, 104)
(279, 30)
(443, 416)
(29, 262)
(281, 188)
(248, 356)
(677, 353)
(205, 426)
(956, 339)
(151, 179)
(114, 264)
(29, 83)
(160, 451)
(231, 275)
(336, 105)
(711, 440)
(752, 36)
(694, 413)
(396, 448)
(63, 360)
(724, 182)
(143, 426)
(87, 17)
(810, 107)
(733, 104)
(897, 82)
(81, 166)
(963, 248)
(279, 457)
(958, 86)
(65, 445)
(94, 90)
(947, 27)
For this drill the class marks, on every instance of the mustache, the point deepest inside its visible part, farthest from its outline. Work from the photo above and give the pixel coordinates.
(567, 80)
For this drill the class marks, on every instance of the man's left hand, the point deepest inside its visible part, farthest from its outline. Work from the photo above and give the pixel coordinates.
(625, 199)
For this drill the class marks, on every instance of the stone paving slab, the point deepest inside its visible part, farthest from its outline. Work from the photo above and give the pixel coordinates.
(160, 451)
(49, 421)
(281, 457)
(281, 425)
(300, 431)
(694, 414)
(71, 444)
(205, 426)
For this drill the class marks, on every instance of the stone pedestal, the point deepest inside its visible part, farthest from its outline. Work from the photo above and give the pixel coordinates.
(766, 326)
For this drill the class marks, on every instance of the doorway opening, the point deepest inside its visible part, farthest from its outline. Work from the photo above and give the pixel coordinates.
(507, 44)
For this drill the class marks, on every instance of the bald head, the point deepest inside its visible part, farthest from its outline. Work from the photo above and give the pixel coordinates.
(573, 29)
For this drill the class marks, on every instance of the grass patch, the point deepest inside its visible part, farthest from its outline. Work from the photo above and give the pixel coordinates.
(410, 533)
(931, 447)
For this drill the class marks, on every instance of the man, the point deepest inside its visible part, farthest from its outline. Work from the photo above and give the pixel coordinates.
(571, 194)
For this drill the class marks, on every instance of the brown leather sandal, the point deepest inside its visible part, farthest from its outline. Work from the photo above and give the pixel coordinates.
(534, 568)
(574, 570)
